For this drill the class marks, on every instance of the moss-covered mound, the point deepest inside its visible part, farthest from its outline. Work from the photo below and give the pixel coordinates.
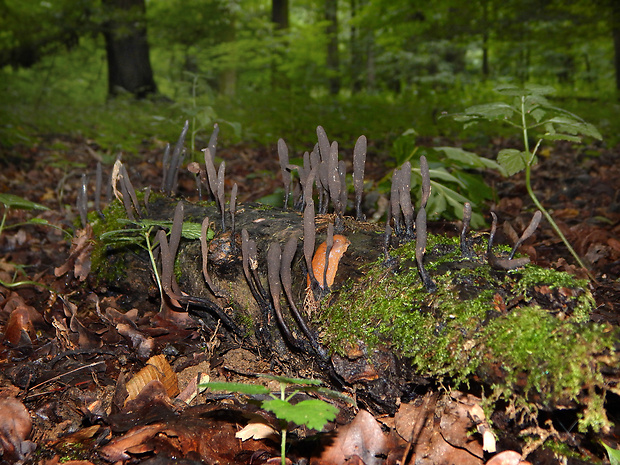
(525, 333)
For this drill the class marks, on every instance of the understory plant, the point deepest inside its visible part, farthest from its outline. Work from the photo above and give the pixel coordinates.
(9, 201)
(456, 176)
(142, 233)
(312, 413)
(533, 116)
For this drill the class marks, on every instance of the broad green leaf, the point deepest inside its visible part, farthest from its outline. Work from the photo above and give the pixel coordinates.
(574, 126)
(491, 111)
(192, 231)
(291, 381)
(454, 198)
(251, 389)
(436, 204)
(512, 160)
(469, 158)
(441, 174)
(14, 201)
(538, 114)
(554, 137)
(614, 454)
(312, 413)
(529, 89)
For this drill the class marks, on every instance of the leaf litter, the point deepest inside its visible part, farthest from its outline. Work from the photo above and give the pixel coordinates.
(85, 379)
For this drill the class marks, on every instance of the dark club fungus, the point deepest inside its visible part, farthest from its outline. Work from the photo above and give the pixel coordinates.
(505, 264)
(321, 167)
(466, 248)
(359, 163)
(420, 250)
(284, 169)
(527, 233)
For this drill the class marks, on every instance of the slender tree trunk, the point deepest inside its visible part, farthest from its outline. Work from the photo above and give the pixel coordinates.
(333, 57)
(279, 14)
(227, 79)
(280, 20)
(485, 39)
(615, 30)
(356, 51)
(127, 48)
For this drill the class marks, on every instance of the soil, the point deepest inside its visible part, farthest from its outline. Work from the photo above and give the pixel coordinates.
(82, 379)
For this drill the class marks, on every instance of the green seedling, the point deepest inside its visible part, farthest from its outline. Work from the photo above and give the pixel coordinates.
(9, 201)
(312, 413)
(614, 454)
(142, 234)
(531, 113)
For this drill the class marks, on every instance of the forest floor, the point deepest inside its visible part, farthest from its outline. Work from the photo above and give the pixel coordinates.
(67, 358)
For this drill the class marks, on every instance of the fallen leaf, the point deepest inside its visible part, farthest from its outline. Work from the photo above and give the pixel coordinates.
(257, 429)
(508, 457)
(79, 255)
(157, 368)
(15, 428)
(19, 330)
(362, 438)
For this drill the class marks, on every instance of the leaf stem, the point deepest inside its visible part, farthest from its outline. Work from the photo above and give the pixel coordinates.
(530, 191)
(149, 248)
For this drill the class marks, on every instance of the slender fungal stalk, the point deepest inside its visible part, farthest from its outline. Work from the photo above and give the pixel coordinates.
(530, 191)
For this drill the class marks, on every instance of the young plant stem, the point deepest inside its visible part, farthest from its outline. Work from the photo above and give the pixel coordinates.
(530, 191)
(149, 248)
(283, 430)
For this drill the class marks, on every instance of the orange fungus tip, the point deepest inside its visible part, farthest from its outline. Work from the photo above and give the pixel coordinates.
(341, 243)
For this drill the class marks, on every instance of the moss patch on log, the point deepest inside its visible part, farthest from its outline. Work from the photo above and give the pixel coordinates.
(524, 333)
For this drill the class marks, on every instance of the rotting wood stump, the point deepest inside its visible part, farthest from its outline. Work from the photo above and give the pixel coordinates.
(524, 334)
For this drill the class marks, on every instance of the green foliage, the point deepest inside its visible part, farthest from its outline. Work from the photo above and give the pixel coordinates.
(614, 454)
(456, 177)
(531, 114)
(534, 116)
(9, 201)
(462, 329)
(312, 413)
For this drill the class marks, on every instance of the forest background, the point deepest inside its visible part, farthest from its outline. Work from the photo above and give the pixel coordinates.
(269, 69)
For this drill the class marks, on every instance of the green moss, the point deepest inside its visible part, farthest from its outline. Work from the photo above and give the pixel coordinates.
(479, 320)
(101, 264)
(538, 353)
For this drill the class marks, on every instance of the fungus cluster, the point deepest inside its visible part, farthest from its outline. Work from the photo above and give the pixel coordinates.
(322, 169)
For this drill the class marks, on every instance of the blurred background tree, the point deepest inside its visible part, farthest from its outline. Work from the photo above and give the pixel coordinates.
(373, 66)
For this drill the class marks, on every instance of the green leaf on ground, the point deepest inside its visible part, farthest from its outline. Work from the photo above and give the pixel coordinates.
(242, 388)
(614, 454)
(312, 413)
(14, 201)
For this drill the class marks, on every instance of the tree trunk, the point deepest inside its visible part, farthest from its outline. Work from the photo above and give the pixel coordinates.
(279, 14)
(356, 50)
(129, 65)
(615, 30)
(280, 20)
(333, 57)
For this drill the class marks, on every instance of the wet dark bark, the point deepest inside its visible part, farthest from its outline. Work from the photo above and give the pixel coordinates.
(127, 48)
(333, 57)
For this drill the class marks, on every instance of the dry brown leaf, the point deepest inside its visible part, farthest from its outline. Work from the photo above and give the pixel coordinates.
(362, 438)
(508, 457)
(117, 449)
(157, 368)
(19, 330)
(15, 428)
(79, 255)
(257, 429)
(192, 390)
